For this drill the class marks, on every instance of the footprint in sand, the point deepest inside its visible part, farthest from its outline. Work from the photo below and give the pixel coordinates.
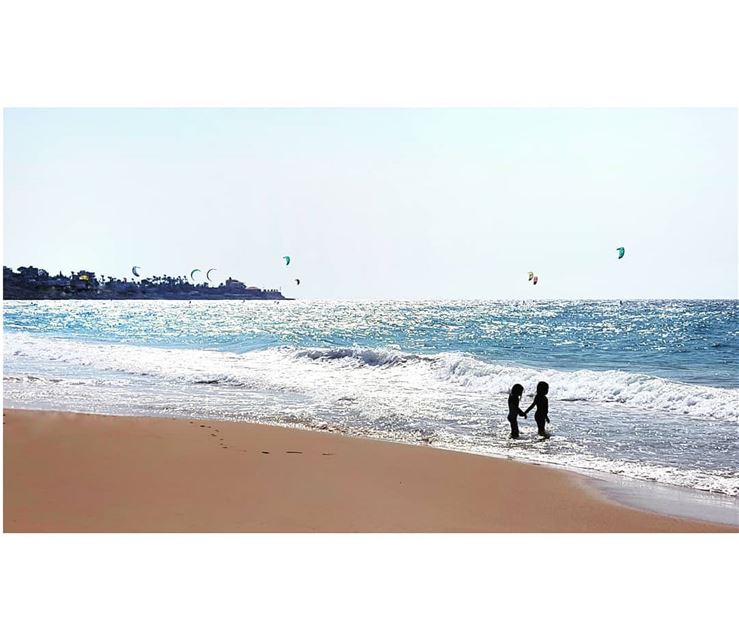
(293, 452)
(327, 454)
(265, 452)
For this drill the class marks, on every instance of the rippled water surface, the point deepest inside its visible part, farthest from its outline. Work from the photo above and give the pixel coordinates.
(646, 389)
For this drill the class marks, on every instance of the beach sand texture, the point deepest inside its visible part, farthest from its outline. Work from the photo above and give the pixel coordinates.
(66, 472)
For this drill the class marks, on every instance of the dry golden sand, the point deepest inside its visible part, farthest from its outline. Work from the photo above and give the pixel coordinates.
(68, 472)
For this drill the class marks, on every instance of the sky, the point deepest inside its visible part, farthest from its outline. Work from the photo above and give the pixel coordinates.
(382, 203)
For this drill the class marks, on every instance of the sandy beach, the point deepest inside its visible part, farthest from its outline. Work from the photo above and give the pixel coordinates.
(67, 472)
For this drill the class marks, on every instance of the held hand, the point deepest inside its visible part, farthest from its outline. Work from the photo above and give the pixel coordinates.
(548, 421)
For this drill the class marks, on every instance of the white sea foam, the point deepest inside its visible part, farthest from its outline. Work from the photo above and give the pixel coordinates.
(306, 370)
(635, 390)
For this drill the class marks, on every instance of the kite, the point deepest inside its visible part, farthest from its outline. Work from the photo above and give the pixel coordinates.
(207, 274)
(536, 279)
(193, 272)
(136, 273)
(621, 252)
(286, 259)
(297, 281)
(531, 276)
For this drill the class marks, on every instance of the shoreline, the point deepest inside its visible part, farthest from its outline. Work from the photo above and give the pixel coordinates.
(664, 499)
(645, 495)
(89, 472)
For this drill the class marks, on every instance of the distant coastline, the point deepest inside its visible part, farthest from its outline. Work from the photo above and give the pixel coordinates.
(34, 283)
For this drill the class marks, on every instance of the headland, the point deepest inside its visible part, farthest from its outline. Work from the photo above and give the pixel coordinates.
(33, 283)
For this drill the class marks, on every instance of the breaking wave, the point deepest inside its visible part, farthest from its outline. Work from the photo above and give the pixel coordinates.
(362, 356)
(637, 390)
(296, 369)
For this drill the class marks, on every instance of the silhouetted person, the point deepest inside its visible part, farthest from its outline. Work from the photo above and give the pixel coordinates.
(541, 402)
(514, 398)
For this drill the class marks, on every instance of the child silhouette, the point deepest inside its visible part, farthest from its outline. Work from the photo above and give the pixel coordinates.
(541, 402)
(514, 398)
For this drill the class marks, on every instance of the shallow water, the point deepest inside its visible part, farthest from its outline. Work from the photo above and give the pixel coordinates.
(643, 389)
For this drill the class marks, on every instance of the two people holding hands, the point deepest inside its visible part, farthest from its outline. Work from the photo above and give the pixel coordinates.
(541, 402)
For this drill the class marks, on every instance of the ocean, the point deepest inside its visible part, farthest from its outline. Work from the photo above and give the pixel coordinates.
(641, 389)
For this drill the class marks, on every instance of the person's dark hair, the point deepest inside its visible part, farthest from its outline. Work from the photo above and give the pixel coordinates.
(517, 390)
(542, 388)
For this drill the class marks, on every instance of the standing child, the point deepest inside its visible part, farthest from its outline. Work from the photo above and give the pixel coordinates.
(514, 398)
(541, 402)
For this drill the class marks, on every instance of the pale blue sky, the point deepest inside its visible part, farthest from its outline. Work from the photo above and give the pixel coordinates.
(383, 203)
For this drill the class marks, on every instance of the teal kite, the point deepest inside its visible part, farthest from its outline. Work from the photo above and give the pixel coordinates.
(621, 252)
(192, 273)
(207, 274)
(286, 259)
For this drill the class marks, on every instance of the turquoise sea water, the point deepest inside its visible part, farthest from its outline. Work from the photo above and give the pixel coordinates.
(644, 389)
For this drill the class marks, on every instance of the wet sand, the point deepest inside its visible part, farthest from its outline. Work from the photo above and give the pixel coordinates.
(67, 472)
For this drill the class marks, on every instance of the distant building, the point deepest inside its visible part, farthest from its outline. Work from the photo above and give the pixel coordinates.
(84, 280)
(235, 285)
(33, 274)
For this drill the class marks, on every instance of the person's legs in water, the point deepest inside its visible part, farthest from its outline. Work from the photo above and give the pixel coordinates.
(540, 422)
(514, 427)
